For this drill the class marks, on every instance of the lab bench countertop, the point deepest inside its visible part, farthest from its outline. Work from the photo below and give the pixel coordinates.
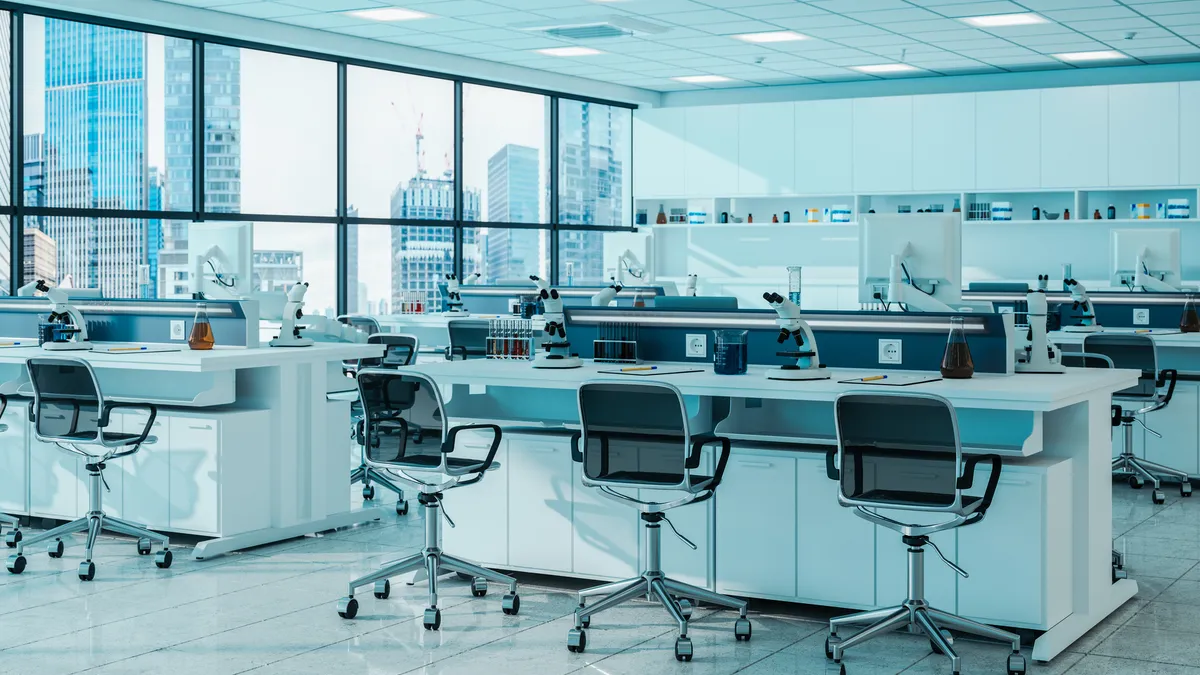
(187, 360)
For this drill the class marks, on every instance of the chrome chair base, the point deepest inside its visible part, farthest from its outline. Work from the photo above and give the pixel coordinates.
(14, 536)
(1141, 471)
(370, 477)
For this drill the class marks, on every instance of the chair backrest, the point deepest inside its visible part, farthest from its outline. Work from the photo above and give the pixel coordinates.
(1132, 352)
(405, 418)
(66, 399)
(468, 338)
(633, 434)
(366, 324)
(399, 350)
(898, 451)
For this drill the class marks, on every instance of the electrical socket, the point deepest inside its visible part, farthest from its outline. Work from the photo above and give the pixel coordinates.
(177, 332)
(891, 351)
(697, 345)
(1141, 316)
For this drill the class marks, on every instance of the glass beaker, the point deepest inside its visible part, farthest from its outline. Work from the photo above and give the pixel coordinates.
(956, 362)
(729, 352)
(1190, 321)
(202, 334)
(794, 284)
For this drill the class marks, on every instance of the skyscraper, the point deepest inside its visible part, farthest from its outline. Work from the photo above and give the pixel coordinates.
(512, 196)
(590, 186)
(41, 256)
(352, 303)
(34, 178)
(276, 271)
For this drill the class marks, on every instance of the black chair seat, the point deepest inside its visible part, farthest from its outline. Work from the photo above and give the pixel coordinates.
(902, 498)
(652, 479)
(90, 437)
(426, 462)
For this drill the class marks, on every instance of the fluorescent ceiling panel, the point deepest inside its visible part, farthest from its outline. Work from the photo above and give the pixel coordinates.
(1084, 57)
(770, 37)
(882, 68)
(569, 51)
(1000, 20)
(388, 14)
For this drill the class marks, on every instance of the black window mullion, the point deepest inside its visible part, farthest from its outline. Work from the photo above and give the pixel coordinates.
(459, 201)
(198, 100)
(554, 253)
(16, 101)
(343, 237)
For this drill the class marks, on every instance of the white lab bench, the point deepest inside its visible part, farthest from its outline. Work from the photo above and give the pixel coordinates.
(248, 446)
(1040, 559)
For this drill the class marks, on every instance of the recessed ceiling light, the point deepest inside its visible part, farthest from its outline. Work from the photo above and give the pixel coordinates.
(701, 79)
(998, 20)
(1108, 55)
(388, 14)
(569, 51)
(773, 36)
(885, 68)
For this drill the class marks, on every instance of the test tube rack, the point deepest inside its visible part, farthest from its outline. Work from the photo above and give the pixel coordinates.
(616, 343)
(510, 339)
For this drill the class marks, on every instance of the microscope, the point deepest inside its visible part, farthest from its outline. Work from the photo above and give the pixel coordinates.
(454, 304)
(70, 332)
(556, 351)
(1037, 354)
(293, 311)
(606, 295)
(808, 362)
(1080, 302)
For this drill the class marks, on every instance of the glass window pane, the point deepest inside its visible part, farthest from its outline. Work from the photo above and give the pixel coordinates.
(271, 133)
(390, 263)
(505, 169)
(503, 255)
(285, 253)
(111, 254)
(582, 260)
(400, 145)
(594, 160)
(107, 117)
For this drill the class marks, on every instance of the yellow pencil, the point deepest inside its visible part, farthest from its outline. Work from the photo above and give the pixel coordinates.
(127, 349)
(631, 370)
(874, 377)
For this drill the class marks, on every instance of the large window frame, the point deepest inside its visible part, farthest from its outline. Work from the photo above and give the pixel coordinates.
(18, 211)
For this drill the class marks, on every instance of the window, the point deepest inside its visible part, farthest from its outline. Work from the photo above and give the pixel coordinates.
(505, 168)
(581, 259)
(400, 145)
(506, 255)
(595, 159)
(285, 253)
(389, 264)
(112, 254)
(107, 117)
(270, 125)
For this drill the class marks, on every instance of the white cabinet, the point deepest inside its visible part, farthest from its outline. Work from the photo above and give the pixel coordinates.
(765, 133)
(1143, 134)
(756, 526)
(193, 493)
(1074, 146)
(824, 153)
(1189, 133)
(481, 533)
(883, 144)
(14, 460)
(1008, 140)
(943, 143)
(1180, 429)
(836, 555)
(147, 487)
(54, 483)
(711, 160)
(540, 504)
(605, 532)
(659, 152)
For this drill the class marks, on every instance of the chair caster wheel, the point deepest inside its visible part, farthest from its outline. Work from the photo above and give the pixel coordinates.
(842, 670)
(945, 635)
(683, 649)
(1158, 497)
(1185, 490)
(402, 507)
(1016, 664)
(479, 587)
(369, 492)
(87, 570)
(433, 619)
(347, 608)
(1118, 574)
(510, 604)
(12, 538)
(686, 606)
(742, 630)
(1136, 483)
(163, 559)
(383, 589)
(56, 549)
(576, 640)
(16, 564)
(143, 546)
(829, 642)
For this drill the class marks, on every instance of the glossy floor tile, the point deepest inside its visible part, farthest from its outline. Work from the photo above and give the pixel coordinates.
(272, 611)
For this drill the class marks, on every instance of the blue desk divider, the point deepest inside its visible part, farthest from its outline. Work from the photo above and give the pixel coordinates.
(1113, 308)
(113, 320)
(844, 339)
(497, 299)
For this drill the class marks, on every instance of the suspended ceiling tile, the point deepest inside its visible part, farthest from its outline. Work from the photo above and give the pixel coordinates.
(264, 10)
(334, 5)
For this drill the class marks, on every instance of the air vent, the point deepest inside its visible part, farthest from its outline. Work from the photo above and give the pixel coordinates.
(592, 32)
(595, 28)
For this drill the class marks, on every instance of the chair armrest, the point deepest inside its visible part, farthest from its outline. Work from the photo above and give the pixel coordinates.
(831, 468)
(1116, 415)
(1168, 378)
(452, 437)
(456, 349)
(3, 404)
(722, 461)
(966, 480)
(576, 451)
(105, 414)
(1084, 356)
(698, 443)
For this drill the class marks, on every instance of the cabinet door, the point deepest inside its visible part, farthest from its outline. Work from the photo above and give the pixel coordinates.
(480, 512)
(1179, 447)
(824, 526)
(824, 153)
(14, 462)
(605, 532)
(883, 144)
(1075, 137)
(766, 132)
(756, 526)
(659, 152)
(711, 163)
(1189, 133)
(943, 143)
(148, 473)
(539, 504)
(54, 485)
(1008, 140)
(194, 486)
(1143, 134)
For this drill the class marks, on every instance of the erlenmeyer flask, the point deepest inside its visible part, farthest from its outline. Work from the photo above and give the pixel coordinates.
(1190, 322)
(202, 334)
(956, 362)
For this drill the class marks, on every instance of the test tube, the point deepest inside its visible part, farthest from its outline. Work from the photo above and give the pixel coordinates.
(794, 284)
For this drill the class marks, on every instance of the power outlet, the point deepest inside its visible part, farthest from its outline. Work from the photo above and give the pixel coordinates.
(177, 332)
(891, 351)
(1141, 316)
(697, 345)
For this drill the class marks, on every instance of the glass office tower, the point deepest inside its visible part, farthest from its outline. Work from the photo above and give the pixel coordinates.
(423, 256)
(590, 186)
(512, 197)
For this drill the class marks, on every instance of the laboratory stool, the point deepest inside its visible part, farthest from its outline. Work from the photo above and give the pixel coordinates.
(69, 411)
(431, 467)
(399, 351)
(902, 452)
(13, 536)
(636, 437)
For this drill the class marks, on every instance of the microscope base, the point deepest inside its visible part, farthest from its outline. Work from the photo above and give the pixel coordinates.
(1083, 329)
(566, 362)
(798, 374)
(293, 342)
(67, 346)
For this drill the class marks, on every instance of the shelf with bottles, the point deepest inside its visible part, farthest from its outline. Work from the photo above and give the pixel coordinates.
(822, 209)
(909, 203)
(979, 206)
(1127, 204)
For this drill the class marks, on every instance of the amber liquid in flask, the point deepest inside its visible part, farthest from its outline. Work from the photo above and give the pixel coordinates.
(202, 334)
(956, 362)
(1190, 321)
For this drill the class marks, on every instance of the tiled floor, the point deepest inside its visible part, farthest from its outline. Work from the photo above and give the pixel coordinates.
(272, 611)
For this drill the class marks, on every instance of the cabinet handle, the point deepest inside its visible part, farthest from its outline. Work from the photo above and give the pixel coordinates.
(756, 465)
(206, 427)
(534, 448)
(1013, 481)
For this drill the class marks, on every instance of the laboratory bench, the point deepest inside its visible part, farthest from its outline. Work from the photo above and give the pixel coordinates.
(1041, 559)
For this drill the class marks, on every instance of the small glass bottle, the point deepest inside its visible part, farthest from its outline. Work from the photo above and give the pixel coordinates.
(1096, 215)
(957, 363)
(661, 219)
(202, 334)
(1066, 214)
(1190, 321)
(1112, 212)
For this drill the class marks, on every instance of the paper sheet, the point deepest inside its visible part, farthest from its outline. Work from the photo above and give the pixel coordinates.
(661, 370)
(893, 380)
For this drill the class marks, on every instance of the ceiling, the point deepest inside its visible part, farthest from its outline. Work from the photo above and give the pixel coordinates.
(698, 37)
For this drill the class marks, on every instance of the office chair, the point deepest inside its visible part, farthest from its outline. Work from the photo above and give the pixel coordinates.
(632, 437)
(468, 339)
(13, 537)
(399, 351)
(433, 468)
(69, 411)
(366, 324)
(902, 451)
